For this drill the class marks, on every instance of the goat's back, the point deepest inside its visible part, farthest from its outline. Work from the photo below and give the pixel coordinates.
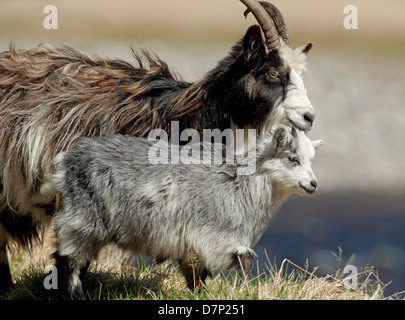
(49, 97)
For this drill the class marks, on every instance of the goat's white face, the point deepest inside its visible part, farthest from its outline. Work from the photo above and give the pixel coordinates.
(289, 161)
(296, 107)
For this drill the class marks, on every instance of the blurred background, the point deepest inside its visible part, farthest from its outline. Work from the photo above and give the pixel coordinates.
(356, 82)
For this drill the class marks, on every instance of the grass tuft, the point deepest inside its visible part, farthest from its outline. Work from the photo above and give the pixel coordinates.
(163, 282)
(119, 275)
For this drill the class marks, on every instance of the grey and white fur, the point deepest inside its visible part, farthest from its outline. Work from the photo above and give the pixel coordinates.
(205, 217)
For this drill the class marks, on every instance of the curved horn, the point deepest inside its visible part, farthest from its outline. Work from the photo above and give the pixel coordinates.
(278, 19)
(265, 22)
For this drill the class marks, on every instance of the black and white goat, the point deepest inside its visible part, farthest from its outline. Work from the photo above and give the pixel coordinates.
(203, 216)
(49, 97)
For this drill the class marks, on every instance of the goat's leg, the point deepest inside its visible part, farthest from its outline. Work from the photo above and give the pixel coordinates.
(196, 281)
(5, 276)
(21, 228)
(204, 274)
(69, 276)
(83, 271)
(243, 260)
(63, 270)
(75, 283)
(194, 274)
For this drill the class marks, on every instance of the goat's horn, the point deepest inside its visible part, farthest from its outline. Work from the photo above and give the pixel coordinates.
(266, 23)
(278, 19)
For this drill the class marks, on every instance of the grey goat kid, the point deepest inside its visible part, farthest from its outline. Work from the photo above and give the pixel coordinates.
(205, 217)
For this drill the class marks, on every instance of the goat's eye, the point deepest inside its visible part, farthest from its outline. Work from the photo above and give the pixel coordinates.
(273, 74)
(294, 160)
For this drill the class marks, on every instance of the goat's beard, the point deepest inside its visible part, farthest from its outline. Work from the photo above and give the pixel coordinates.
(276, 118)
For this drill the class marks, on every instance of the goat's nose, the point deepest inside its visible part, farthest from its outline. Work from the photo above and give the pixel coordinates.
(314, 184)
(309, 117)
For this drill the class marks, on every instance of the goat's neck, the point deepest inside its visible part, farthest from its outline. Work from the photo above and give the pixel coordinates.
(262, 199)
(261, 193)
(222, 92)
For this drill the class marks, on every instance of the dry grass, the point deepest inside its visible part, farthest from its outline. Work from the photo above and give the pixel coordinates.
(117, 276)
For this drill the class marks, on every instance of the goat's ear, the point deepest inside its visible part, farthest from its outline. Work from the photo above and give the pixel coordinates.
(307, 48)
(253, 45)
(280, 137)
(316, 144)
(277, 142)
